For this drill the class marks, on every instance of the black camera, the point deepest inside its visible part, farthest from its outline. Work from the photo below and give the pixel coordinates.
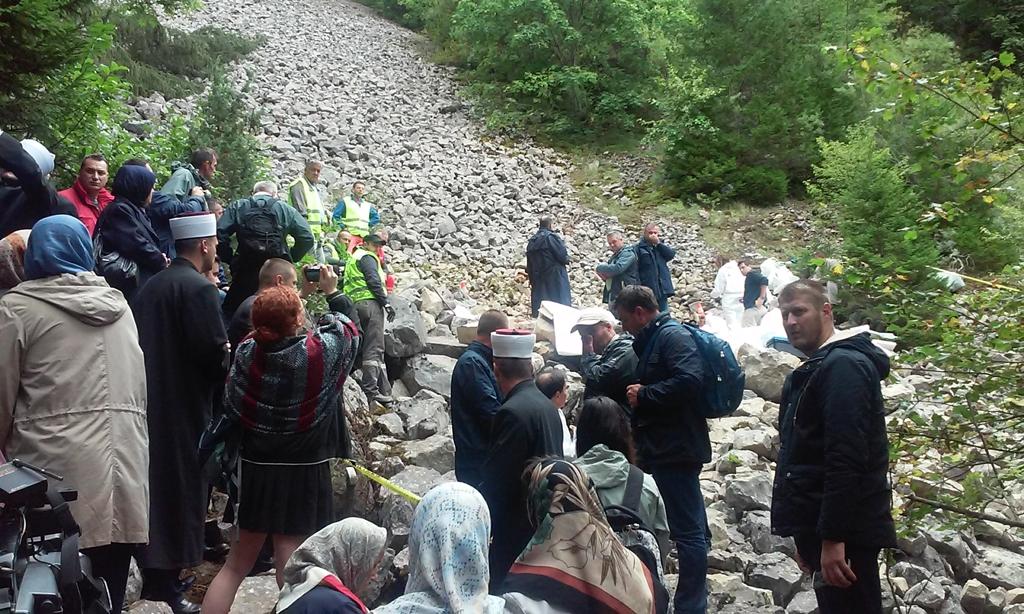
(312, 273)
(41, 569)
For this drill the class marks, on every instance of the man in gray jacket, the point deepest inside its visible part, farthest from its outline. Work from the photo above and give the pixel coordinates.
(621, 268)
(609, 363)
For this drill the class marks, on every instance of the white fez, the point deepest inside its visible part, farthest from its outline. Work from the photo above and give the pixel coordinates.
(196, 226)
(512, 343)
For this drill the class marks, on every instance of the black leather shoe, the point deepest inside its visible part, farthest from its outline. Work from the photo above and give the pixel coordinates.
(184, 606)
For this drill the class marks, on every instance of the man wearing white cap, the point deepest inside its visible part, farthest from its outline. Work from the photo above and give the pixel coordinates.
(183, 338)
(25, 194)
(525, 427)
(608, 364)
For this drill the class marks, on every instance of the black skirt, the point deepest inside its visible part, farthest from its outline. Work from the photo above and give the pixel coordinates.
(285, 499)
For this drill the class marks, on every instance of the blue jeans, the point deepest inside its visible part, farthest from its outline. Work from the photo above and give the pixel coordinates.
(687, 522)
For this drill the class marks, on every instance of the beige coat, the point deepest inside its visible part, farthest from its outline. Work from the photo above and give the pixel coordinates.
(73, 399)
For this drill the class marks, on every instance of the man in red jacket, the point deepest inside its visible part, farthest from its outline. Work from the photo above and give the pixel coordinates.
(89, 193)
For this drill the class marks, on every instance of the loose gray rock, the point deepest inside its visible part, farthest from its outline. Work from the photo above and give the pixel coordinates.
(766, 370)
(436, 452)
(805, 602)
(406, 335)
(748, 491)
(998, 567)
(973, 597)
(431, 372)
(777, 573)
(424, 414)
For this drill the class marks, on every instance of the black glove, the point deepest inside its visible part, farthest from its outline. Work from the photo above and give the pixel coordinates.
(390, 311)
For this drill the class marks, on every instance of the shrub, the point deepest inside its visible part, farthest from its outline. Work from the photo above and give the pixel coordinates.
(877, 210)
(225, 123)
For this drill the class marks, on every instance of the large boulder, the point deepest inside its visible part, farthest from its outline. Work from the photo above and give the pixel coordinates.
(436, 452)
(406, 335)
(430, 372)
(778, 573)
(751, 490)
(423, 415)
(999, 567)
(766, 370)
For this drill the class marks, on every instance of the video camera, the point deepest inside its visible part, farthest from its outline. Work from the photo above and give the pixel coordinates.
(41, 569)
(312, 273)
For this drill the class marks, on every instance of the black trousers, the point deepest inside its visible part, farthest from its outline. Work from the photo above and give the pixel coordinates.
(863, 597)
(161, 584)
(112, 563)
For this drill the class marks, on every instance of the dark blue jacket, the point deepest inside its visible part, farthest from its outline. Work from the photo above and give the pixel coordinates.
(126, 229)
(668, 425)
(475, 400)
(546, 258)
(162, 209)
(832, 477)
(652, 267)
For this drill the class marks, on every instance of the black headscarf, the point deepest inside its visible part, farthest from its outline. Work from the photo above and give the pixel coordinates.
(134, 183)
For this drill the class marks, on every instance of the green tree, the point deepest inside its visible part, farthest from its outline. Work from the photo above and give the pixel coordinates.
(569, 66)
(777, 92)
(226, 124)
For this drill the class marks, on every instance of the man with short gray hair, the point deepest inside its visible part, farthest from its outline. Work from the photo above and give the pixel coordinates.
(621, 268)
(303, 195)
(260, 223)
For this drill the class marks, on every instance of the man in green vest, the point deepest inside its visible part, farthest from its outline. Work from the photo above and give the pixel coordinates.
(303, 195)
(364, 284)
(356, 215)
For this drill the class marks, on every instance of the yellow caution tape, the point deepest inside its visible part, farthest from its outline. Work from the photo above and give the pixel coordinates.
(980, 281)
(386, 483)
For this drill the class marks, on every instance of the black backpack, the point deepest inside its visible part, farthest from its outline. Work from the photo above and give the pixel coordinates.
(259, 231)
(636, 536)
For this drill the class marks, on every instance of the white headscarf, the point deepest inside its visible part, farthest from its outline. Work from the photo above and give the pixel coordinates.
(351, 550)
(44, 159)
(448, 569)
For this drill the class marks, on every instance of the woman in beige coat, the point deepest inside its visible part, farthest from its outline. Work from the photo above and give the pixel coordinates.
(73, 393)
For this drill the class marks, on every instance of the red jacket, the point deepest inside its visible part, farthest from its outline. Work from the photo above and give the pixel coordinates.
(87, 212)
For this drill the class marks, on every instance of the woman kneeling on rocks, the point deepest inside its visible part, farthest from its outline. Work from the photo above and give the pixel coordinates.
(331, 572)
(285, 392)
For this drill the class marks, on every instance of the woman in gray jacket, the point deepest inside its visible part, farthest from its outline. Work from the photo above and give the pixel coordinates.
(77, 403)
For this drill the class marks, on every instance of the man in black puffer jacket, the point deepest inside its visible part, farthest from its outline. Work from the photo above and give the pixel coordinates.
(670, 431)
(831, 493)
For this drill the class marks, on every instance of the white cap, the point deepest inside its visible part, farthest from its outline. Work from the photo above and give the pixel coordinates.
(194, 226)
(39, 152)
(594, 315)
(512, 343)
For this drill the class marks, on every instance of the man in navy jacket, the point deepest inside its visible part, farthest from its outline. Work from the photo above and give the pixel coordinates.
(652, 258)
(475, 400)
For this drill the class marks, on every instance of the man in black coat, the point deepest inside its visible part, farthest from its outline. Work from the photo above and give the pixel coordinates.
(671, 433)
(546, 258)
(525, 427)
(185, 345)
(25, 195)
(832, 493)
(652, 258)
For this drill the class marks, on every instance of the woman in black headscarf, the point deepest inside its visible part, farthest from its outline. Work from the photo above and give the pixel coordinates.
(124, 227)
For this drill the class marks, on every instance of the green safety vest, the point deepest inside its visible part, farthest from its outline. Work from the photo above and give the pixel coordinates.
(357, 216)
(355, 284)
(314, 208)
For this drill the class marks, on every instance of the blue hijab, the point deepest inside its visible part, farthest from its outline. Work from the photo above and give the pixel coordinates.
(134, 183)
(58, 244)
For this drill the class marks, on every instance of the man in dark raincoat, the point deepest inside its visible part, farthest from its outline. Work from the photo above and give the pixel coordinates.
(546, 258)
(183, 338)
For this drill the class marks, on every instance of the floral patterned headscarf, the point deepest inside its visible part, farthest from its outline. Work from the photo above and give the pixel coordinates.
(12, 259)
(574, 561)
(448, 544)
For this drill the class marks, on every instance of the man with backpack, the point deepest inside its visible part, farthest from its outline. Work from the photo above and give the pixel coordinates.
(260, 224)
(185, 178)
(670, 430)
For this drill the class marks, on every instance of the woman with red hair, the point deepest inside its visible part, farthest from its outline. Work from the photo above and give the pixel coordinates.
(285, 391)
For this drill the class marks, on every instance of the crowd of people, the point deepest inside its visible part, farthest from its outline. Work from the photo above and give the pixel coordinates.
(141, 375)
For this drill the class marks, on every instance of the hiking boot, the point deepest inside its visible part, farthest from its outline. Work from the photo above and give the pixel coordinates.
(383, 399)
